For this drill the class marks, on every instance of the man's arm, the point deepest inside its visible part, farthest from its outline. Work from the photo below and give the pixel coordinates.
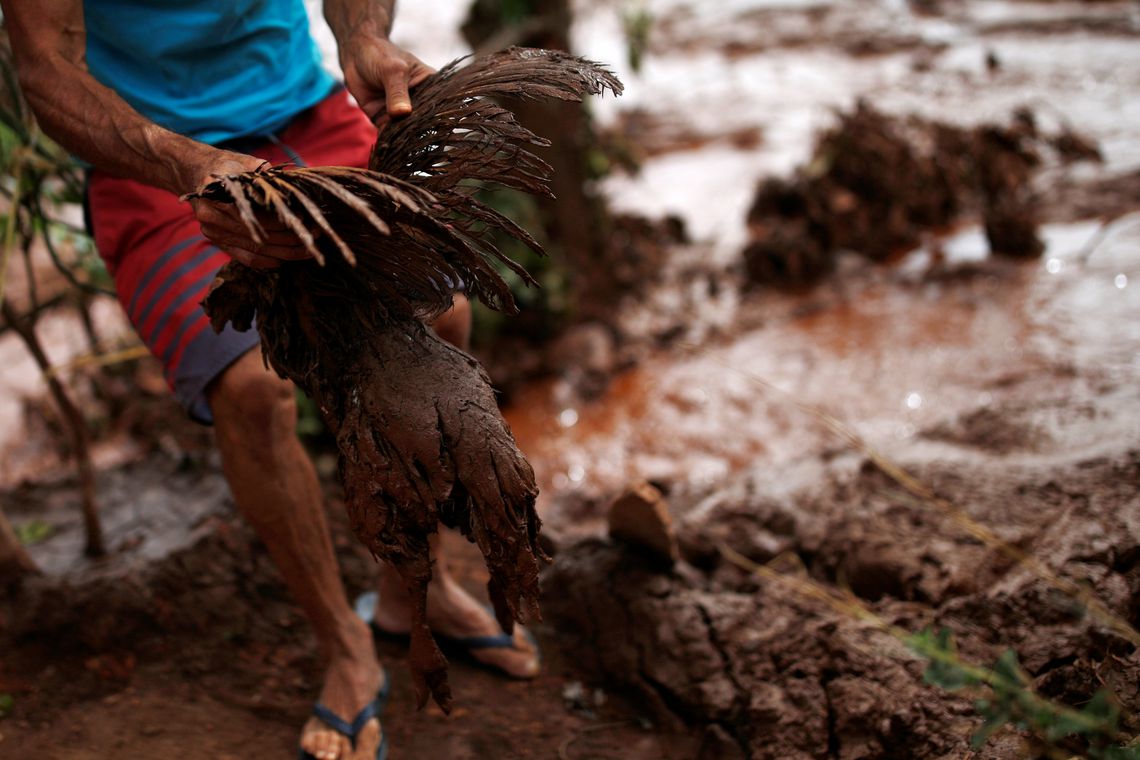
(376, 72)
(91, 121)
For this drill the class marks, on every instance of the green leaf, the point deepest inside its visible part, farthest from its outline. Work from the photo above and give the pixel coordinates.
(1103, 707)
(7, 701)
(34, 532)
(1008, 668)
(992, 725)
(944, 670)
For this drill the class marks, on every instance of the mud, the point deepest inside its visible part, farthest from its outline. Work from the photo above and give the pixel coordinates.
(787, 676)
(1009, 385)
(879, 185)
(184, 641)
(1002, 384)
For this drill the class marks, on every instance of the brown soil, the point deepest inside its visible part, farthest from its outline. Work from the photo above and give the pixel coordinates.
(184, 642)
(787, 676)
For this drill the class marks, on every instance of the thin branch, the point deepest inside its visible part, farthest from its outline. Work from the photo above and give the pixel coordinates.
(76, 425)
(99, 360)
(57, 260)
(10, 229)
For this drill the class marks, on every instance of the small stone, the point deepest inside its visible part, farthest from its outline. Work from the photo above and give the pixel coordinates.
(574, 695)
(641, 516)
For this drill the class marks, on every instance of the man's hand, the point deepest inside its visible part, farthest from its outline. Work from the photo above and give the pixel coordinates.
(379, 75)
(222, 224)
(376, 72)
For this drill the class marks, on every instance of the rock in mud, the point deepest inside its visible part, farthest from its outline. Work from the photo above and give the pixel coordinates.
(641, 517)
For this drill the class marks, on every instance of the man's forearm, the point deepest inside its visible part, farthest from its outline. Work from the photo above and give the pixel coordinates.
(87, 118)
(95, 124)
(349, 17)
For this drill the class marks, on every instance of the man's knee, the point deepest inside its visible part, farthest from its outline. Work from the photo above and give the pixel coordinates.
(251, 404)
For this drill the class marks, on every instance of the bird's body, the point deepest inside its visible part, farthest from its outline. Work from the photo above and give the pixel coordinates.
(421, 439)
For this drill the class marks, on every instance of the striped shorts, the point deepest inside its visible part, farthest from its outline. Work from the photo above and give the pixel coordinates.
(163, 266)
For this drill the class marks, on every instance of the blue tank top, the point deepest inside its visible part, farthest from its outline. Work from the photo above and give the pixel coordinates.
(208, 69)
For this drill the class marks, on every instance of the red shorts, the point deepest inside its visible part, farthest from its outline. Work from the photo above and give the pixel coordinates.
(162, 266)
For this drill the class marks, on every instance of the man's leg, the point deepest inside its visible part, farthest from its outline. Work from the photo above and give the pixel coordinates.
(451, 611)
(276, 490)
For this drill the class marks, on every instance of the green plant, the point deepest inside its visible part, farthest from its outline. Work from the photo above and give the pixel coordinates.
(37, 177)
(34, 532)
(636, 22)
(1010, 698)
(1094, 729)
(543, 310)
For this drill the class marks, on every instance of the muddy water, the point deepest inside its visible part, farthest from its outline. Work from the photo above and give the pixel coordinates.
(785, 66)
(891, 354)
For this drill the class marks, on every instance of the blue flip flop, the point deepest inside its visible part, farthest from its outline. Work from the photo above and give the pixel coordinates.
(365, 607)
(373, 709)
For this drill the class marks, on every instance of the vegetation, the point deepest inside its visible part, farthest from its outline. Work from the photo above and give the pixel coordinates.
(38, 179)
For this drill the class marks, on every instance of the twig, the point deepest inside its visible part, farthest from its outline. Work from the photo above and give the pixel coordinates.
(30, 276)
(10, 228)
(83, 306)
(57, 260)
(56, 300)
(76, 425)
(99, 360)
(1102, 232)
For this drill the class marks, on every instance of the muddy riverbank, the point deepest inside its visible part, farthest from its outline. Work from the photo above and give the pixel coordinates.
(1009, 387)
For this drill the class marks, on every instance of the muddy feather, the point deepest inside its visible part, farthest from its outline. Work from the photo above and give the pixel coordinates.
(421, 439)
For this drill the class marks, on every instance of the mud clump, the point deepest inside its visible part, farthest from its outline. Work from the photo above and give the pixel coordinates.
(876, 184)
(776, 673)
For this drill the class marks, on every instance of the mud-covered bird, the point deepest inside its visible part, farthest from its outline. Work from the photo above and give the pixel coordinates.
(420, 435)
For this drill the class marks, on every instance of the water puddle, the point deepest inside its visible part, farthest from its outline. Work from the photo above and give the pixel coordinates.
(889, 355)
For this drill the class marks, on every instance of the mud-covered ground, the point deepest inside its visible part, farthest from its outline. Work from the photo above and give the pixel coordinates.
(1010, 388)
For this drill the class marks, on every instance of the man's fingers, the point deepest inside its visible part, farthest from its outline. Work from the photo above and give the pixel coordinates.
(222, 224)
(227, 215)
(396, 74)
(226, 239)
(251, 259)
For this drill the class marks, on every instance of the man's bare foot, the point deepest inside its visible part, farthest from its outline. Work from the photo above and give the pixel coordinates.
(352, 680)
(454, 613)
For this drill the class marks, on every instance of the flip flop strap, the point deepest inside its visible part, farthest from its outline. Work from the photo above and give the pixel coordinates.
(365, 715)
(343, 727)
(335, 722)
(500, 641)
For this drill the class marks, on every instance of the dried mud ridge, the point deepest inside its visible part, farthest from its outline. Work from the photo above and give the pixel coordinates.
(420, 436)
(879, 184)
(773, 674)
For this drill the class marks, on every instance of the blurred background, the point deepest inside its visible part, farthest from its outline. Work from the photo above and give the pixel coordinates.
(830, 387)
